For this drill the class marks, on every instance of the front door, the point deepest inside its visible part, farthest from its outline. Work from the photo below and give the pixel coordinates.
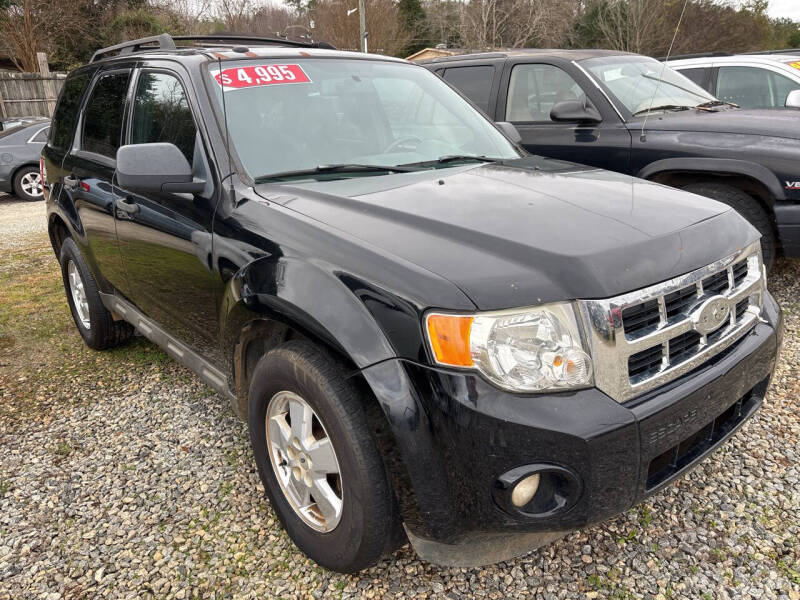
(165, 238)
(531, 91)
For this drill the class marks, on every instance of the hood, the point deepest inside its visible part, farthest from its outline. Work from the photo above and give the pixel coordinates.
(535, 232)
(777, 122)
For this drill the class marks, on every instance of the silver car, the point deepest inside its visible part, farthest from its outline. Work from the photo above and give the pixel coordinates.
(20, 148)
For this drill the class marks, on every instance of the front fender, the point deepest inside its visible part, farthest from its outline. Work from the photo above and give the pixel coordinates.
(718, 165)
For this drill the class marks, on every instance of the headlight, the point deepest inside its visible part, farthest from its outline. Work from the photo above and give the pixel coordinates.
(525, 350)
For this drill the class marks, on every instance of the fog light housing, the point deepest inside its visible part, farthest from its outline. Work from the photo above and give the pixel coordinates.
(537, 491)
(524, 491)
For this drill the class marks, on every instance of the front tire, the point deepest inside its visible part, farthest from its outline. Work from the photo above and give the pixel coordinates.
(318, 460)
(28, 184)
(749, 208)
(94, 322)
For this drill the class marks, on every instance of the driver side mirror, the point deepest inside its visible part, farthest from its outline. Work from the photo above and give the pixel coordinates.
(793, 99)
(158, 167)
(575, 110)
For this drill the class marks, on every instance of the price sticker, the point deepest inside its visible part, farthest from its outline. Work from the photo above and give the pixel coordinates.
(258, 75)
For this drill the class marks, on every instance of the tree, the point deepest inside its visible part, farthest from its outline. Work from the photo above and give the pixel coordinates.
(413, 18)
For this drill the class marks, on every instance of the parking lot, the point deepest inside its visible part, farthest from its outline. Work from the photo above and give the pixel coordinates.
(122, 475)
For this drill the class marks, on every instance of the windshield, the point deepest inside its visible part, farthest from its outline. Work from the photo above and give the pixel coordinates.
(634, 82)
(292, 115)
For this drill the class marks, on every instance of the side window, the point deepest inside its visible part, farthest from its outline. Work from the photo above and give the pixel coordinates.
(474, 82)
(66, 113)
(102, 124)
(41, 137)
(534, 90)
(749, 87)
(161, 113)
(698, 75)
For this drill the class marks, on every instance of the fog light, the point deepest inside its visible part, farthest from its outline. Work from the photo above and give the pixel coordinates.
(525, 490)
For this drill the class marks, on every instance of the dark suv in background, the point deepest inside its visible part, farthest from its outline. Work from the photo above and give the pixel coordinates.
(632, 114)
(430, 333)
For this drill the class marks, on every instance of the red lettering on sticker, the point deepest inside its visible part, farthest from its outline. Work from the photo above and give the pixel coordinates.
(258, 75)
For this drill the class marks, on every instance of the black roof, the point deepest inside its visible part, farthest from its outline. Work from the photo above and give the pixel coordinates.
(522, 52)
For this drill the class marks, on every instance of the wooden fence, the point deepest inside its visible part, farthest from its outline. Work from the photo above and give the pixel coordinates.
(24, 94)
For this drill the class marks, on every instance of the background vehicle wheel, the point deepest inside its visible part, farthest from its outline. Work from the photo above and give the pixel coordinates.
(96, 325)
(318, 460)
(28, 184)
(748, 207)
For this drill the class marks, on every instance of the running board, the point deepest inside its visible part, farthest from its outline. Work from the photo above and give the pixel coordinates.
(212, 376)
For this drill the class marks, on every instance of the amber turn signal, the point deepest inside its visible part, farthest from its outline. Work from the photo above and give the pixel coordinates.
(449, 337)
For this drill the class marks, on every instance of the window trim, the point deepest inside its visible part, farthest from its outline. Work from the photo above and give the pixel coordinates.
(77, 145)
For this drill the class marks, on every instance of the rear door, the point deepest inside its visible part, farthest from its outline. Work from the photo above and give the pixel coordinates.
(528, 91)
(88, 169)
(165, 238)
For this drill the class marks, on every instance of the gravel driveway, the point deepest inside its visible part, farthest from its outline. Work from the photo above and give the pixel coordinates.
(123, 476)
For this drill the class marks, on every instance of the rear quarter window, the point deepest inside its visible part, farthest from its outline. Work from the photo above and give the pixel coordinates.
(66, 113)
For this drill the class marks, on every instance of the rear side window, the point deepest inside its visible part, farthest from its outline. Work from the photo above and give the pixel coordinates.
(161, 113)
(474, 82)
(102, 125)
(41, 137)
(66, 113)
(698, 75)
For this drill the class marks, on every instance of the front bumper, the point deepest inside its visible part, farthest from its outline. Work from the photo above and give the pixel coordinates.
(457, 435)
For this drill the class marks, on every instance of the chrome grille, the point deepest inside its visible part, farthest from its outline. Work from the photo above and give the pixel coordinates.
(646, 338)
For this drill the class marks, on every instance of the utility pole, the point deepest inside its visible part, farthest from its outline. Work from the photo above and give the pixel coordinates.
(362, 20)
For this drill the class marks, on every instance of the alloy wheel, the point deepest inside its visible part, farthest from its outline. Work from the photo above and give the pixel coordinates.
(31, 184)
(304, 461)
(78, 292)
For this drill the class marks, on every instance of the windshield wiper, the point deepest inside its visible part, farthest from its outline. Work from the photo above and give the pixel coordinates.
(713, 103)
(340, 168)
(448, 158)
(662, 107)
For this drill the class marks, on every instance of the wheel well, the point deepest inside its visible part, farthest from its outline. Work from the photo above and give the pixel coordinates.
(19, 168)
(751, 186)
(58, 233)
(260, 336)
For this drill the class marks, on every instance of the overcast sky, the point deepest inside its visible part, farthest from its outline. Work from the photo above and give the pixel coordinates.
(785, 8)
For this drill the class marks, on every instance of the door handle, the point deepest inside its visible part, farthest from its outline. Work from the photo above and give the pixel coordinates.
(127, 205)
(71, 182)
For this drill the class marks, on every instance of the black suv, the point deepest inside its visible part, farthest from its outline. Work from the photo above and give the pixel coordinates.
(632, 114)
(430, 333)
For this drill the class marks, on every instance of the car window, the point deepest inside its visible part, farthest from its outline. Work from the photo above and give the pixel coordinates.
(66, 112)
(102, 126)
(161, 113)
(534, 90)
(752, 87)
(41, 137)
(474, 82)
(698, 75)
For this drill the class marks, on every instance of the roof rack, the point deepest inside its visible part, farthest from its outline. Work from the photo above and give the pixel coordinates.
(166, 41)
(236, 39)
(162, 42)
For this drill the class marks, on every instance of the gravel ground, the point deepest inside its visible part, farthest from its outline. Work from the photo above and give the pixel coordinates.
(123, 476)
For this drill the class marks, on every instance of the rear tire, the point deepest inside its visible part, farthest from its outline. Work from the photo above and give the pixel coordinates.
(28, 184)
(748, 207)
(94, 322)
(368, 516)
